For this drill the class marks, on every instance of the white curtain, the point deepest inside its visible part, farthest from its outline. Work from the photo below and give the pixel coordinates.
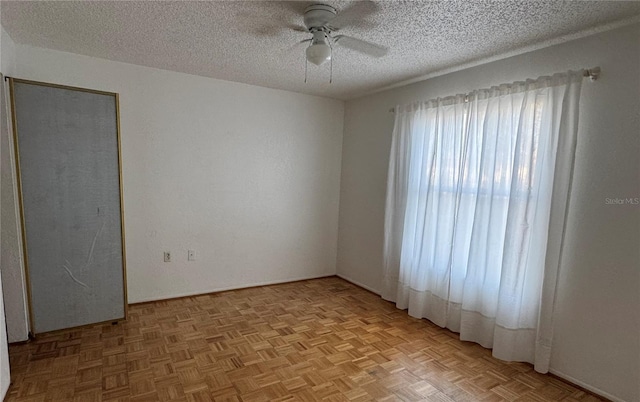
(477, 194)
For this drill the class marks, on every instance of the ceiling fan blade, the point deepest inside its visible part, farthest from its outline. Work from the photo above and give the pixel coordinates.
(266, 30)
(297, 28)
(275, 30)
(354, 15)
(295, 46)
(296, 7)
(361, 46)
(264, 20)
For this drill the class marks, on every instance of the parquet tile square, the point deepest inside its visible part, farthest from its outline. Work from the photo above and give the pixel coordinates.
(316, 340)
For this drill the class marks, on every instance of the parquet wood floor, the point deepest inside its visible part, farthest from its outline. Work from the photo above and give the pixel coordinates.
(322, 339)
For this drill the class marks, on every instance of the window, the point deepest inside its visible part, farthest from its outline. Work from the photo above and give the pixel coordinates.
(468, 207)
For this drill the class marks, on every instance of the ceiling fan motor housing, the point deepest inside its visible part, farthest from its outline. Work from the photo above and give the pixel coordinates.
(317, 19)
(318, 15)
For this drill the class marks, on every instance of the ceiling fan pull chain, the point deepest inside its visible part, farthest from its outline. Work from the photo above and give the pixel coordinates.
(331, 61)
(306, 62)
(331, 71)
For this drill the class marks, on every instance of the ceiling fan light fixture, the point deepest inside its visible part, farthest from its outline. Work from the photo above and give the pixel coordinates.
(319, 53)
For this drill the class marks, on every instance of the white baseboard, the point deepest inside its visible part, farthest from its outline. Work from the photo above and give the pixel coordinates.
(362, 285)
(586, 386)
(224, 289)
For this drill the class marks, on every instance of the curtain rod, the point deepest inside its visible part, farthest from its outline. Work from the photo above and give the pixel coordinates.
(592, 73)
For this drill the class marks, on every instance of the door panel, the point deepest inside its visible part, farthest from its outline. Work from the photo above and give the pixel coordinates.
(68, 158)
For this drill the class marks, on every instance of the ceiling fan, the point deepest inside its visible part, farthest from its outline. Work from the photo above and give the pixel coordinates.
(322, 20)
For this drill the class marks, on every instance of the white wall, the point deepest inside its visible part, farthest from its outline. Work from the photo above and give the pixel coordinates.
(7, 66)
(597, 333)
(246, 176)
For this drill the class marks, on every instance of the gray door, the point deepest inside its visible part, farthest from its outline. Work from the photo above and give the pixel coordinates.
(68, 168)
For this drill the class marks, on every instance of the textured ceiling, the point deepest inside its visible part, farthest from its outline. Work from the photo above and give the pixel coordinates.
(250, 42)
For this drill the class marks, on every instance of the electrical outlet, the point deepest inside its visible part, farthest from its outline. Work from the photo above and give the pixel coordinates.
(167, 256)
(191, 255)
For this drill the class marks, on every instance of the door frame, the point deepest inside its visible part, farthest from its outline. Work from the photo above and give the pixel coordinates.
(23, 230)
